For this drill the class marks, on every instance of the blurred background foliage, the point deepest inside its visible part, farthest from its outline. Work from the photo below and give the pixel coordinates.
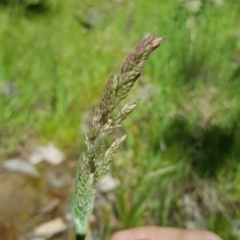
(180, 163)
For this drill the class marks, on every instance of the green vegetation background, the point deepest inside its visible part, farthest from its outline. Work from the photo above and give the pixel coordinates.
(55, 59)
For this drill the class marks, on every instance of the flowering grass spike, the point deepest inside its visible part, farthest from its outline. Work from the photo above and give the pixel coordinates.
(94, 164)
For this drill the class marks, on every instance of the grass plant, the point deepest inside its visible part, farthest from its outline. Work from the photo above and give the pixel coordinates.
(49, 78)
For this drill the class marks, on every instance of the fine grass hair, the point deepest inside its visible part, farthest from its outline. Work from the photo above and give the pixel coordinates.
(94, 164)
